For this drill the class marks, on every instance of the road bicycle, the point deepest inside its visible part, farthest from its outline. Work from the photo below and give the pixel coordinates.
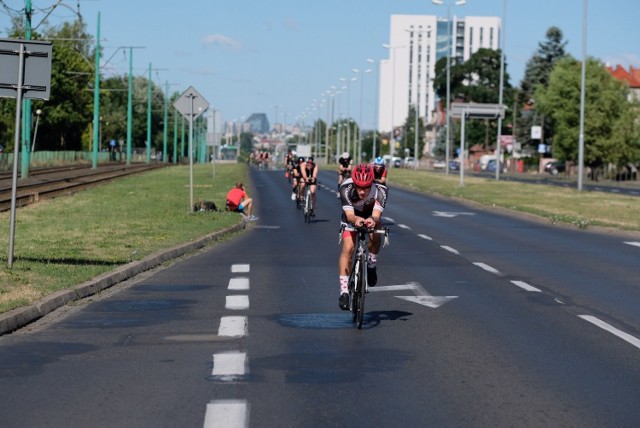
(358, 282)
(307, 209)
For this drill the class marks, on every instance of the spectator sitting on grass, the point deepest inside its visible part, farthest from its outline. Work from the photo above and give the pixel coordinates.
(238, 201)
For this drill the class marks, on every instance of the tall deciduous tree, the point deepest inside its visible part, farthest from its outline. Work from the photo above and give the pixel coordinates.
(536, 74)
(611, 134)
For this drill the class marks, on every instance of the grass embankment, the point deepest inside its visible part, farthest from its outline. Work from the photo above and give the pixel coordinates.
(65, 241)
(558, 204)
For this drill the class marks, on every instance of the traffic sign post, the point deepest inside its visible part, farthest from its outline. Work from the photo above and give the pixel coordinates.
(25, 72)
(191, 105)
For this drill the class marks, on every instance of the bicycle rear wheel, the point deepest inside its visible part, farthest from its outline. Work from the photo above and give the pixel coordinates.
(361, 290)
(307, 207)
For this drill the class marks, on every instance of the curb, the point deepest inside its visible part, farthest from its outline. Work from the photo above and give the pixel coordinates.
(20, 317)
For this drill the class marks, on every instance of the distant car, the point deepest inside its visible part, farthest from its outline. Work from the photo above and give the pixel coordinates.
(396, 162)
(454, 165)
(555, 167)
(439, 164)
(409, 162)
(491, 166)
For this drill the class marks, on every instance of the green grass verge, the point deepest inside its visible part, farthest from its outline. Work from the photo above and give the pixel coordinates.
(68, 240)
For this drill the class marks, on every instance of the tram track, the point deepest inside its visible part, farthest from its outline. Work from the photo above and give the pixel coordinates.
(49, 183)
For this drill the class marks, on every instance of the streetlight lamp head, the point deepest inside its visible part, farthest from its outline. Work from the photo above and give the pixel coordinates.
(355, 70)
(38, 112)
(460, 2)
(439, 2)
(384, 45)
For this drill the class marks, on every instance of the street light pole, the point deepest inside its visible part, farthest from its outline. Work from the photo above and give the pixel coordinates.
(502, 46)
(448, 109)
(359, 138)
(35, 132)
(582, 94)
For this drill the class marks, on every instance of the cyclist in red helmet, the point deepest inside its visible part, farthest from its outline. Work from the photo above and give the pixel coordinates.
(363, 202)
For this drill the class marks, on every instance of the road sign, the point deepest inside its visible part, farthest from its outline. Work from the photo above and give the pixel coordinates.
(477, 110)
(191, 104)
(35, 63)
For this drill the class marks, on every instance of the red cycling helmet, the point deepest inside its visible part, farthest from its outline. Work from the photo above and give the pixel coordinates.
(362, 175)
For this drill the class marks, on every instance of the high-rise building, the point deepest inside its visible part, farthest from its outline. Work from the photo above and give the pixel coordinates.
(416, 42)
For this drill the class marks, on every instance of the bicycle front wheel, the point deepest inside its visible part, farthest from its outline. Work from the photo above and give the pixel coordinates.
(361, 291)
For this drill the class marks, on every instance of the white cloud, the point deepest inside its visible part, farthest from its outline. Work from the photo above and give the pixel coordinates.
(222, 41)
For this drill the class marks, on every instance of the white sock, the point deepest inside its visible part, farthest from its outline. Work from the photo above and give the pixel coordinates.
(344, 284)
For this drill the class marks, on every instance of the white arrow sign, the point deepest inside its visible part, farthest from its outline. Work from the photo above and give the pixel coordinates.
(422, 297)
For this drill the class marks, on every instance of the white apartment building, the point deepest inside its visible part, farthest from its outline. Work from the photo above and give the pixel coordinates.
(416, 42)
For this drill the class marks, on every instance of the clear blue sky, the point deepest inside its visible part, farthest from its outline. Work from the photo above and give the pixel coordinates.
(252, 55)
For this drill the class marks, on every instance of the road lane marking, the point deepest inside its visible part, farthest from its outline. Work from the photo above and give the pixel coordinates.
(226, 414)
(449, 249)
(525, 286)
(230, 365)
(236, 303)
(239, 284)
(635, 244)
(240, 268)
(487, 267)
(404, 226)
(603, 325)
(392, 287)
(389, 219)
(428, 238)
(233, 326)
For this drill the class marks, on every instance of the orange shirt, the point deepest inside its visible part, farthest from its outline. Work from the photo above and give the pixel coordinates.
(235, 196)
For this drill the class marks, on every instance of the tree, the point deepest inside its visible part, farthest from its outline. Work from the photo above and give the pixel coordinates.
(408, 141)
(611, 134)
(536, 74)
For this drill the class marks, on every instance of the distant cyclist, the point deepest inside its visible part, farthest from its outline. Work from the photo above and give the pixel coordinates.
(344, 167)
(296, 176)
(309, 173)
(363, 202)
(289, 164)
(379, 171)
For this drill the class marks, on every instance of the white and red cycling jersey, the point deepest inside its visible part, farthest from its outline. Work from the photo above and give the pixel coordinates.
(375, 199)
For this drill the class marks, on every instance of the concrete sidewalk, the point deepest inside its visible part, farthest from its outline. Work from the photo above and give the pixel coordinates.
(20, 317)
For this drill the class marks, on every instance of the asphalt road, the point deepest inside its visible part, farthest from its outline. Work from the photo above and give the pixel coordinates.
(479, 319)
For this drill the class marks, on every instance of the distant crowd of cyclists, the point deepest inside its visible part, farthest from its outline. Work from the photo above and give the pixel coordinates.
(363, 195)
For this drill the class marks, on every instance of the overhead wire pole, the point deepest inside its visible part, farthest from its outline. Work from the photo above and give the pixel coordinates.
(130, 105)
(96, 101)
(26, 119)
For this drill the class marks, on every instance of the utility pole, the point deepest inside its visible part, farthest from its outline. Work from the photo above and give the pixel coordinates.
(96, 101)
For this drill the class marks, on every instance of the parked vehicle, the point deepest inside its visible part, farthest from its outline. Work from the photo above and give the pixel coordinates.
(409, 162)
(555, 167)
(396, 162)
(491, 166)
(454, 165)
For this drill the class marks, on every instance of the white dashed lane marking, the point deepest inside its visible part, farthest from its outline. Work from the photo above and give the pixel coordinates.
(635, 244)
(449, 249)
(487, 267)
(233, 326)
(239, 284)
(428, 238)
(525, 286)
(236, 303)
(229, 365)
(603, 325)
(240, 268)
(226, 414)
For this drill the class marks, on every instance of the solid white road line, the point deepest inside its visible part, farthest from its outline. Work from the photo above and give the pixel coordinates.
(227, 414)
(525, 286)
(428, 238)
(239, 284)
(635, 244)
(233, 326)
(239, 268)
(486, 267)
(229, 364)
(404, 226)
(449, 249)
(237, 302)
(603, 325)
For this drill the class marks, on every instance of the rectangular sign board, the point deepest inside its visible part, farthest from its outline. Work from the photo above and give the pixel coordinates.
(36, 83)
